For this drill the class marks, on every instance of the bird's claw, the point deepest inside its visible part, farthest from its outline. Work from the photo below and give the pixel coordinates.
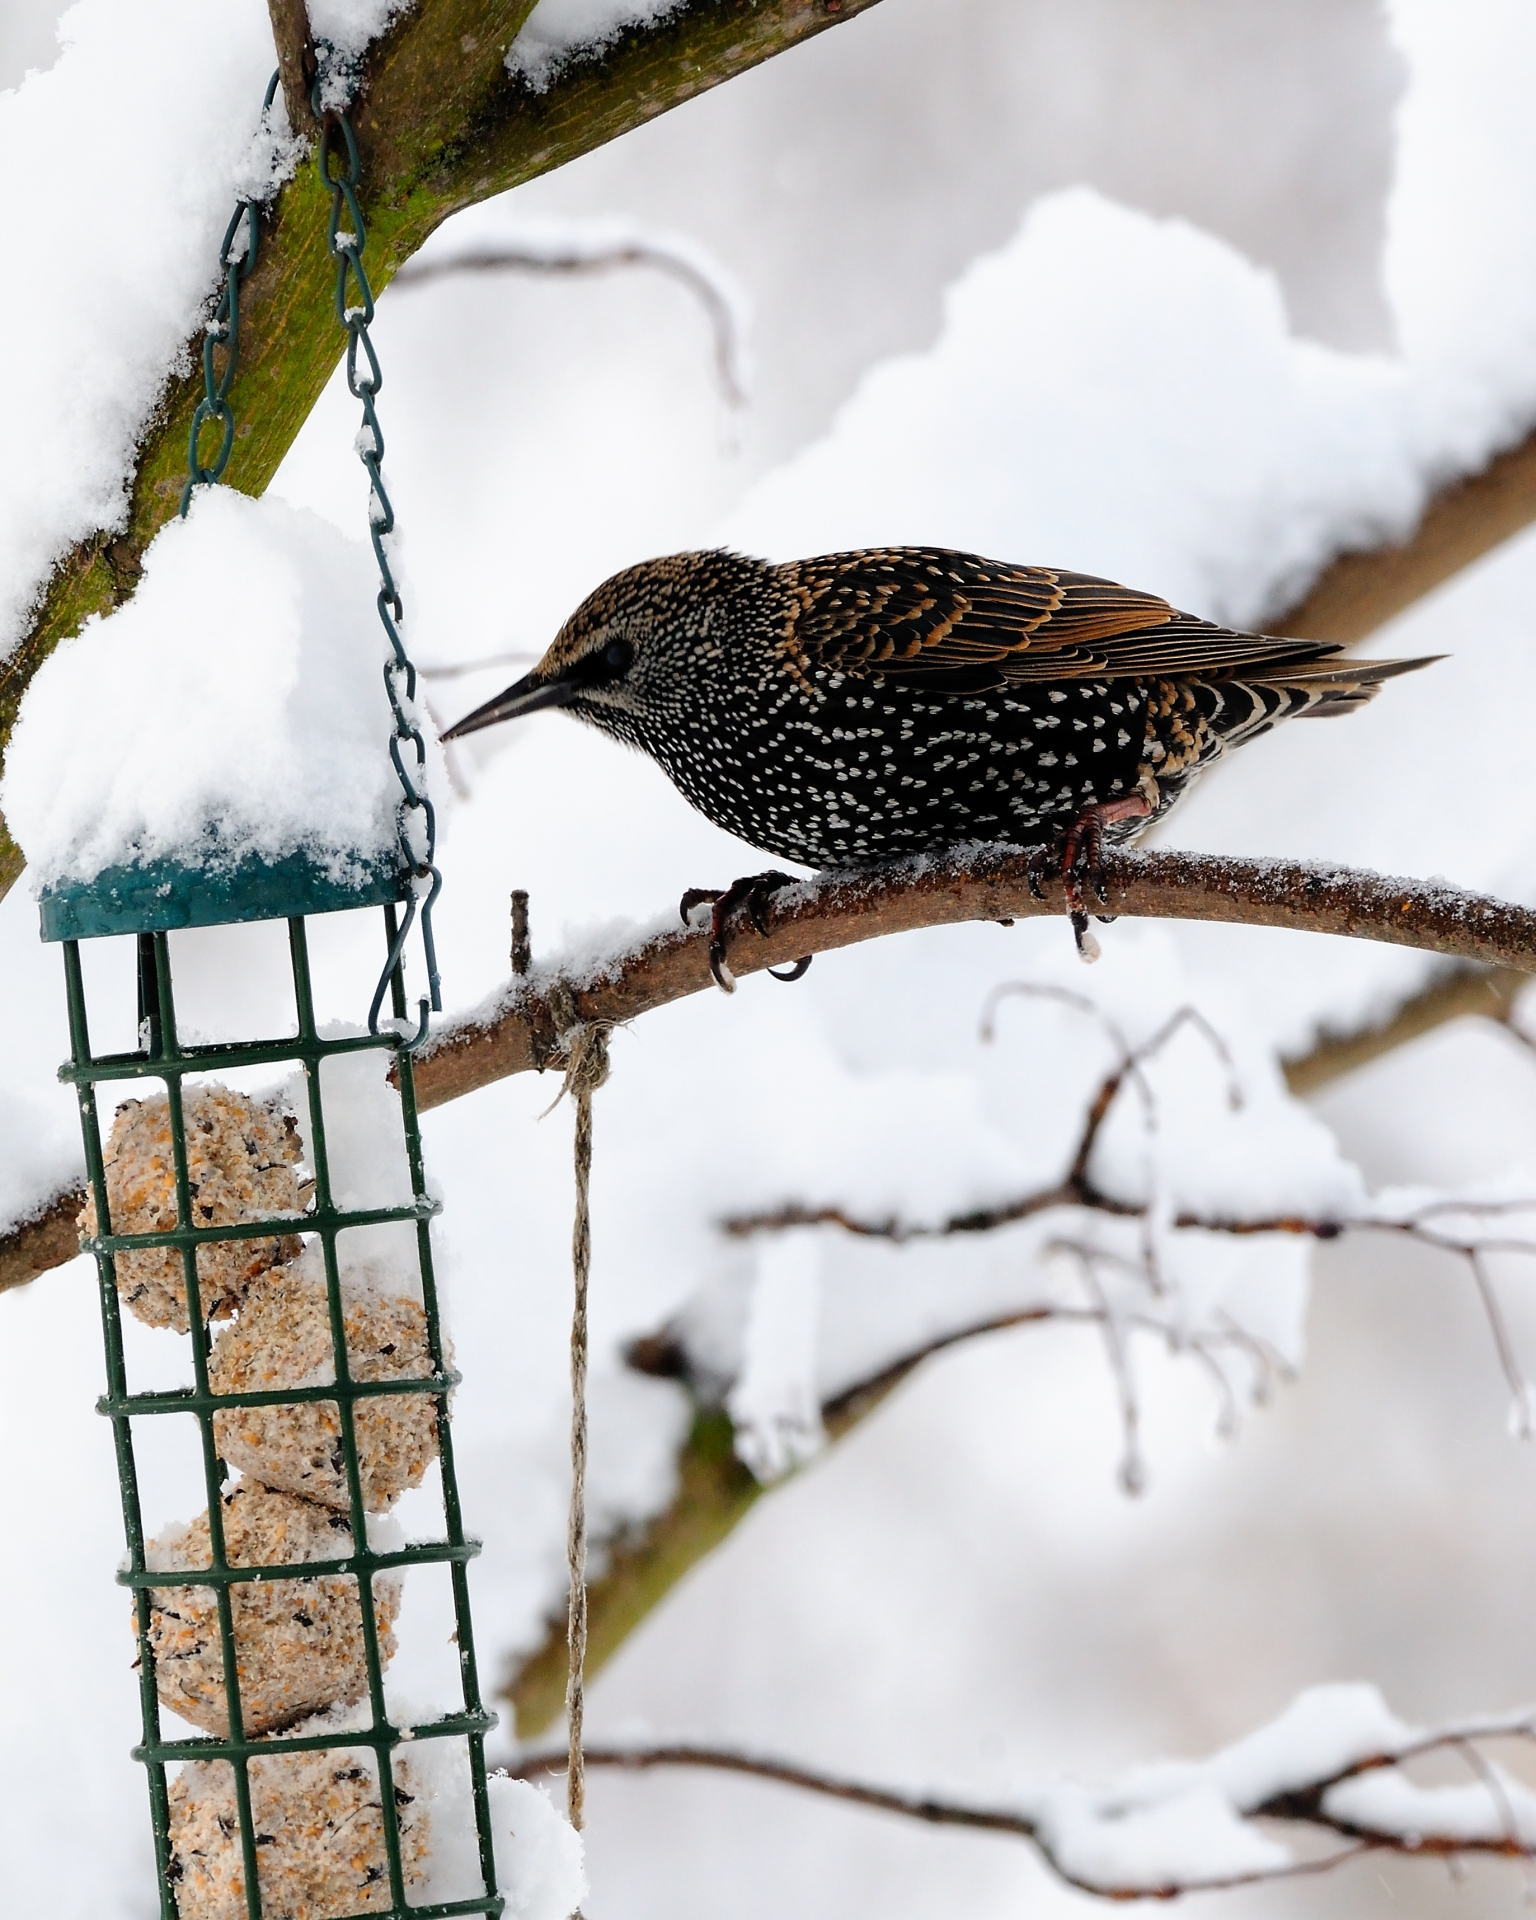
(1076, 857)
(755, 892)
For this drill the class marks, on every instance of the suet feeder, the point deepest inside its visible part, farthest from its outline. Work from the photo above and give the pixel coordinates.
(293, 1285)
(329, 1396)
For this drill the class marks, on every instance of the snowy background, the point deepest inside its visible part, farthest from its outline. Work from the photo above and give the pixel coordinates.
(1184, 292)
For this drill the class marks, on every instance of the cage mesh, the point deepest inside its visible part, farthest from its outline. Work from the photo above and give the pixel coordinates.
(162, 1058)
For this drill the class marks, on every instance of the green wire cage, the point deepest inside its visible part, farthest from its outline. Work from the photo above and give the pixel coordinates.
(161, 1057)
(262, 1822)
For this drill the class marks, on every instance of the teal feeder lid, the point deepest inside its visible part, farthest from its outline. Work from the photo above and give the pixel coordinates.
(159, 896)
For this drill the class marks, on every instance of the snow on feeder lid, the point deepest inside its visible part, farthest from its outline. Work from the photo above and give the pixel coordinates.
(206, 755)
(214, 753)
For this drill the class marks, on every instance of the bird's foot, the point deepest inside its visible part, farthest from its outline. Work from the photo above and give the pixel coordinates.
(1076, 859)
(755, 893)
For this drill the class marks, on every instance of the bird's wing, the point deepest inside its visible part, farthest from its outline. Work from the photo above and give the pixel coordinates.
(956, 622)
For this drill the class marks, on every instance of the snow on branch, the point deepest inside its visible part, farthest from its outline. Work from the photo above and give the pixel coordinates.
(1336, 1765)
(47, 1237)
(1360, 592)
(516, 1030)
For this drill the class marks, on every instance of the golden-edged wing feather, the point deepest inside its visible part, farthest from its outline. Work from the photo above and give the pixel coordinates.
(954, 621)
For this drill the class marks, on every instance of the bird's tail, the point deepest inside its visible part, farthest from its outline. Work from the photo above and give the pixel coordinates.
(1317, 689)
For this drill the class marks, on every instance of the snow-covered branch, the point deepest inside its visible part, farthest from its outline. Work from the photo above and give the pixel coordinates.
(46, 1238)
(1336, 1766)
(1360, 592)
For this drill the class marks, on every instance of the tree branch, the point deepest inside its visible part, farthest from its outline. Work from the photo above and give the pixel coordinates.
(1466, 993)
(440, 125)
(518, 1031)
(48, 1239)
(1359, 592)
(295, 61)
(1322, 1804)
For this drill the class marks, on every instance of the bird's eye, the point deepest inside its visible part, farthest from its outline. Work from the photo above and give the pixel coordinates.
(618, 655)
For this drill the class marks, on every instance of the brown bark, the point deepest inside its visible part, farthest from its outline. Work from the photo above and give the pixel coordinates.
(48, 1240)
(832, 912)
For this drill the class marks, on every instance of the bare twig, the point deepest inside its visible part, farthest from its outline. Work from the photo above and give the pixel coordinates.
(1307, 1805)
(1077, 1189)
(576, 257)
(719, 1490)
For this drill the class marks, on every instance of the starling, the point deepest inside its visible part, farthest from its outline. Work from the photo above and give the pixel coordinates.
(858, 707)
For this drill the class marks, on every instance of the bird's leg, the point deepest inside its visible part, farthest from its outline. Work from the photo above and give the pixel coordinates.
(755, 892)
(1076, 856)
(1082, 846)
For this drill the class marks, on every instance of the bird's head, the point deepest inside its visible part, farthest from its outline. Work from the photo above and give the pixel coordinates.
(642, 645)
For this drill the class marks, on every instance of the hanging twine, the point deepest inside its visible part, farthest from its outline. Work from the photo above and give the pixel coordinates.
(586, 1052)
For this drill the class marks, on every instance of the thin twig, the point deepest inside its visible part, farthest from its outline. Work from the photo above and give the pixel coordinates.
(1078, 1190)
(730, 345)
(1303, 1805)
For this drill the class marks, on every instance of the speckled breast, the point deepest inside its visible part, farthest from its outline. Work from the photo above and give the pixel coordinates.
(864, 772)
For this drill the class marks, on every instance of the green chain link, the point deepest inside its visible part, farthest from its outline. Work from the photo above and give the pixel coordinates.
(417, 816)
(237, 257)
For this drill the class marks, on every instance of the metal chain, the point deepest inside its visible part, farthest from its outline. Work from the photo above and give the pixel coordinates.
(237, 257)
(417, 819)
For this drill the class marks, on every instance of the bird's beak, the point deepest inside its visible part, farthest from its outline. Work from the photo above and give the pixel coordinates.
(523, 696)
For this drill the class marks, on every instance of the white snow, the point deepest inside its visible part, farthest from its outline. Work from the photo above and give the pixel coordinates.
(1097, 353)
(350, 25)
(1183, 1838)
(538, 1852)
(558, 31)
(116, 242)
(539, 1863)
(234, 706)
(1497, 1808)
(1241, 457)
(773, 1404)
(1184, 1823)
(39, 1158)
